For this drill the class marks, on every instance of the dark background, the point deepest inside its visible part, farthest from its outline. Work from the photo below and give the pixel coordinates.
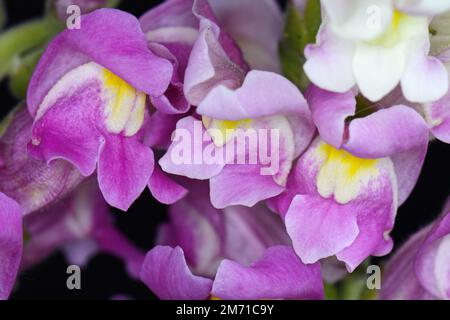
(105, 276)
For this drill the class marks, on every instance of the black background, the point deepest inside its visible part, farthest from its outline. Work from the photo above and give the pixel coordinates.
(105, 275)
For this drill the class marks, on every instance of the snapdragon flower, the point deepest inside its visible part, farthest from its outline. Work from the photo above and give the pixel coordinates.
(229, 98)
(437, 113)
(235, 253)
(377, 45)
(342, 197)
(420, 269)
(11, 245)
(29, 181)
(81, 226)
(49, 208)
(88, 99)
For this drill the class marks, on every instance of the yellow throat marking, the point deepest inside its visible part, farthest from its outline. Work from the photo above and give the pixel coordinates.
(342, 174)
(125, 107)
(221, 131)
(402, 27)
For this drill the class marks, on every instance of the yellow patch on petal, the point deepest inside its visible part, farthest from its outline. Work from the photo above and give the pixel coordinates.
(136, 118)
(343, 174)
(221, 131)
(125, 106)
(402, 27)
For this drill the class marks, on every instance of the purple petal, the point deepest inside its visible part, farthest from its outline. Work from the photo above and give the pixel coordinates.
(171, 13)
(203, 11)
(65, 127)
(124, 169)
(82, 226)
(408, 166)
(345, 206)
(420, 268)
(432, 264)
(32, 183)
(210, 63)
(164, 189)
(399, 279)
(256, 28)
(386, 132)
(64, 223)
(279, 274)
(166, 273)
(173, 100)
(438, 117)
(261, 94)
(398, 132)
(197, 228)
(330, 111)
(111, 38)
(11, 236)
(114, 39)
(320, 227)
(184, 156)
(250, 231)
(80, 252)
(207, 235)
(158, 129)
(242, 185)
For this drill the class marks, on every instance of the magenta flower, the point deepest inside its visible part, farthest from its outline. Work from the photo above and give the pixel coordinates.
(230, 101)
(271, 191)
(58, 213)
(279, 274)
(201, 243)
(343, 195)
(208, 235)
(420, 269)
(81, 226)
(88, 98)
(10, 244)
(395, 131)
(31, 182)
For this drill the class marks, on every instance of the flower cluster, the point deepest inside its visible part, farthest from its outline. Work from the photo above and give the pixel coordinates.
(272, 186)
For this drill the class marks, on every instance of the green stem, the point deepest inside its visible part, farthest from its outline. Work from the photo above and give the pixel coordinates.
(22, 38)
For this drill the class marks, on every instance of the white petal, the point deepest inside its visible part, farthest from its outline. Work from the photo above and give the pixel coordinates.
(359, 19)
(377, 69)
(425, 80)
